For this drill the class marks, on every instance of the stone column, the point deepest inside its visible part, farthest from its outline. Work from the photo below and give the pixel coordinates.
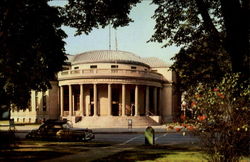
(95, 99)
(160, 102)
(147, 100)
(87, 102)
(81, 99)
(73, 104)
(70, 101)
(136, 101)
(61, 101)
(155, 100)
(123, 99)
(109, 100)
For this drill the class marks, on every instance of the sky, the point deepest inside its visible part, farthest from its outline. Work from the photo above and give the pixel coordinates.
(132, 38)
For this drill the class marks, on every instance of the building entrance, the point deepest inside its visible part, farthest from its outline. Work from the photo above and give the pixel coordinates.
(91, 113)
(115, 109)
(115, 102)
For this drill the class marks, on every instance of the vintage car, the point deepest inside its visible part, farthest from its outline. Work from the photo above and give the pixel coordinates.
(60, 130)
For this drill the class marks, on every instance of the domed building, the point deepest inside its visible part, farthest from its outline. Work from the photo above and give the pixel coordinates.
(106, 88)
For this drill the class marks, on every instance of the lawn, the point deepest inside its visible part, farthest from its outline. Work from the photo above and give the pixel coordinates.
(28, 150)
(161, 154)
(158, 153)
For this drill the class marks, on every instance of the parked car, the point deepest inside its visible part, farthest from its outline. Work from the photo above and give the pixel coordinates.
(60, 130)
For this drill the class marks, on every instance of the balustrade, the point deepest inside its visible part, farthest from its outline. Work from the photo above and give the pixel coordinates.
(109, 72)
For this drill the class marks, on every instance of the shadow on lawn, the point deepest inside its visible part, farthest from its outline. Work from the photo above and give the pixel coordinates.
(28, 150)
(30, 155)
(34, 150)
(145, 153)
(82, 145)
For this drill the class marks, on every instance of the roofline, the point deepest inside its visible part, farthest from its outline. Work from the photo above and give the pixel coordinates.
(118, 61)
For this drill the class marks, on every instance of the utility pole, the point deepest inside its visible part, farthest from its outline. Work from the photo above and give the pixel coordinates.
(116, 43)
(109, 36)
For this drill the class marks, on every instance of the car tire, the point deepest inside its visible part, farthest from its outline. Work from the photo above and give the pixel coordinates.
(78, 138)
(59, 138)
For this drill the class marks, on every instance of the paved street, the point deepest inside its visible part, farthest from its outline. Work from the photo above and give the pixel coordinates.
(138, 139)
(105, 144)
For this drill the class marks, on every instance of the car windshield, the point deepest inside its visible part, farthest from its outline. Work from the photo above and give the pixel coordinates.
(67, 125)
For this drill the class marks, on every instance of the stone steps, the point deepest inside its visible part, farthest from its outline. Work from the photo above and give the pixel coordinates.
(115, 122)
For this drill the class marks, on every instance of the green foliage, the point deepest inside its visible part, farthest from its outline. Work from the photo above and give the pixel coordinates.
(183, 22)
(221, 111)
(202, 62)
(31, 49)
(88, 14)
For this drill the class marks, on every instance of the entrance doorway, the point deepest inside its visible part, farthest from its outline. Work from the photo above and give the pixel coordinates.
(91, 113)
(115, 102)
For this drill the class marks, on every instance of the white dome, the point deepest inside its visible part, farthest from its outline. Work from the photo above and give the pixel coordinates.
(155, 62)
(109, 56)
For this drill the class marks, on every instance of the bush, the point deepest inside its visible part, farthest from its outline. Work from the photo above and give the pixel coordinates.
(221, 113)
(7, 139)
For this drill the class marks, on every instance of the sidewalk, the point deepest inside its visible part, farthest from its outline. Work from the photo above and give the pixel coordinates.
(20, 128)
(158, 129)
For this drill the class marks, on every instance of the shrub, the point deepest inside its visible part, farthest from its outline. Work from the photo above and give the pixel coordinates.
(221, 113)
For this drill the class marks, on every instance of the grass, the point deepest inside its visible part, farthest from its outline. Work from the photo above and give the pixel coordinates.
(28, 150)
(158, 153)
(161, 154)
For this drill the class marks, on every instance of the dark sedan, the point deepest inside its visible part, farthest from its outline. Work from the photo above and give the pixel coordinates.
(60, 130)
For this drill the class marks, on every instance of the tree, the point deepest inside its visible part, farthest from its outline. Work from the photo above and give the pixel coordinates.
(202, 62)
(31, 49)
(184, 23)
(84, 15)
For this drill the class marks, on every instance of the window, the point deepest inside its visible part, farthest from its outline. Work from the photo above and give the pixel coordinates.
(93, 66)
(133, 67)
(44, 102)
(114, 66)
(65, 67)
(57, 126)
(77, 67)
(23, 120)
(67, 125)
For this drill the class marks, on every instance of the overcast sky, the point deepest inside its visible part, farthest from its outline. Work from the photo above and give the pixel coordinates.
(132, 38)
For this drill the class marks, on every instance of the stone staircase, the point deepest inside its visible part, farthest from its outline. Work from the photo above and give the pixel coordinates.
(115, 122)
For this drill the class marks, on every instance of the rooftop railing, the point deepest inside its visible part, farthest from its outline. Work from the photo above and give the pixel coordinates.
(108, 72)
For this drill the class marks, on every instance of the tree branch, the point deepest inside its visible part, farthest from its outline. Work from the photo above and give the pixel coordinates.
(203, 10)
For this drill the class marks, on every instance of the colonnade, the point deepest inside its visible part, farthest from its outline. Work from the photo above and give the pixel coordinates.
(85, 109)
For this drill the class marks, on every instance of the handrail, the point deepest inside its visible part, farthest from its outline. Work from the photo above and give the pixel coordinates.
(115, 72)
(150, 113)
(162, 121)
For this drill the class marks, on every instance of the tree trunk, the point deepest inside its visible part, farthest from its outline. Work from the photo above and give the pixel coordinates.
(236, 16)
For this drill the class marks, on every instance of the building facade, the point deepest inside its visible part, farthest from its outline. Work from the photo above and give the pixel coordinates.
(106, 89)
